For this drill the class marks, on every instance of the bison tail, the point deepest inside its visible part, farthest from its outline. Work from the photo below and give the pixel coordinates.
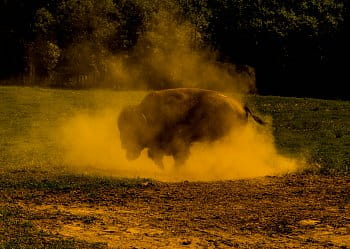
(256, 118)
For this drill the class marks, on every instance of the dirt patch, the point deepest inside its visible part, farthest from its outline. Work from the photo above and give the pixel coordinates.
(296, 211)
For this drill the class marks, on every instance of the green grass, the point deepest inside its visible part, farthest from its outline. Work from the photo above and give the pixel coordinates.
(26, 113)
(64, 182)
(316, 129)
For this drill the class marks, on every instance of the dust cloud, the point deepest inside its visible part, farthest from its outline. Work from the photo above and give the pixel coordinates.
(171, 53)
(91, 144)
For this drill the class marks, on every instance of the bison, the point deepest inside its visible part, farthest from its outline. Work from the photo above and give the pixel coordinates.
(168, 122)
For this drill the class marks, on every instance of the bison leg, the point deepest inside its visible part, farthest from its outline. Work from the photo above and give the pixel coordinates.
(157, 157)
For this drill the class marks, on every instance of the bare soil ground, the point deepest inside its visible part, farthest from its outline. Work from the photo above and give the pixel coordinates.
(294, 211)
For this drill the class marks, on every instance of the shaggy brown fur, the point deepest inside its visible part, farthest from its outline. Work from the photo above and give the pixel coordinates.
(167, 122)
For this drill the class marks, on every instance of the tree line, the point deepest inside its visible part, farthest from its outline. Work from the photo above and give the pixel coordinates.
(297, 47)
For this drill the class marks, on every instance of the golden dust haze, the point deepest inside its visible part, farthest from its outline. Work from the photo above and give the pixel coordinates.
(91, 144)
(170, 54)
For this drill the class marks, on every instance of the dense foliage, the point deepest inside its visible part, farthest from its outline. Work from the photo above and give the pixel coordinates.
(296, 47)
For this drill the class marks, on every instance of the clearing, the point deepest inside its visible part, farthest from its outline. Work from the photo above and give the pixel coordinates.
(44, 203)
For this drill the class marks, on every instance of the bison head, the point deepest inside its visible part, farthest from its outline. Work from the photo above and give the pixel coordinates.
(131, 124)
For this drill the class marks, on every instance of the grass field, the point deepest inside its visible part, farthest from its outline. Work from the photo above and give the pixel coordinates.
(45, 205)
(317, 129)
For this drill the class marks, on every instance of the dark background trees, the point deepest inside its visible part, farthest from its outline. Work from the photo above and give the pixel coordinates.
(297, 48)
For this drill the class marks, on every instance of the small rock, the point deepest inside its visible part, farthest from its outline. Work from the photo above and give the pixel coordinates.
(186, 242)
